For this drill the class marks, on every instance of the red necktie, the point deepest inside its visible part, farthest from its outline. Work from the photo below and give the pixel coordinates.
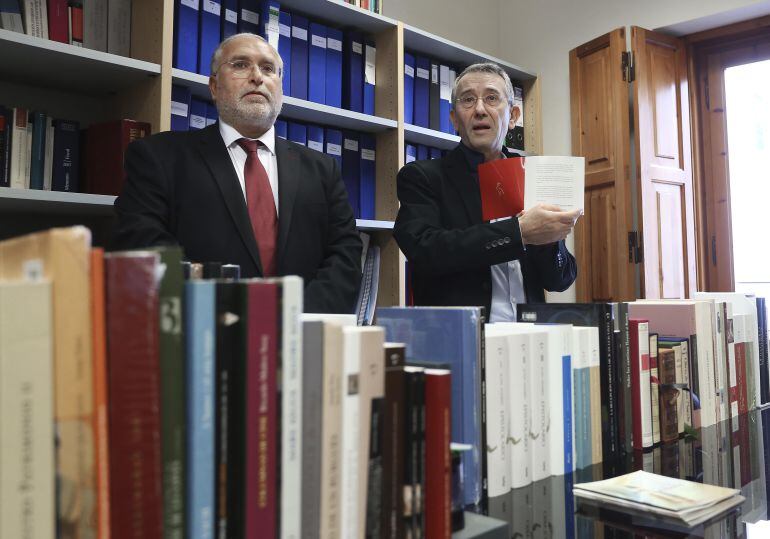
(260, 205)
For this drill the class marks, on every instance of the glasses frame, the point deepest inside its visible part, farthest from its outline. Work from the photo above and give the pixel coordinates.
(245, 74)
(460, 104)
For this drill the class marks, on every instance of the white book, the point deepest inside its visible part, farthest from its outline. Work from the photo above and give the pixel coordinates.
(594, 358)
(519, 407)
(95, 22)
(36, 18)
(556, 180)
(48, 164)
(497, 406)
(26, 411)
(581, 398)
(119, 27)
(351, 424)
(559, 395)
(11, 20)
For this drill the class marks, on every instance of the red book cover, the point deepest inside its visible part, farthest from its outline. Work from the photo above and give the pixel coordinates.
(501, 184)
(58, 21)
(134, 394)
(262, 410)
(75, 21)
(438, 462)
(105, 149)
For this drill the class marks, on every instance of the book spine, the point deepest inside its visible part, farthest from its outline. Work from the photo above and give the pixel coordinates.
(226, 334)
(654, 389)
(48, 166)
(75, 22)
(6, 125)
(331, 433)
(312, 415)
(394, 452)
(764, 374)
(57, 21)
(37, 158)
(95, 23)
(375, 478)
(36, 18)
(438, 466)
(119, 27)
(519, 375)
(611, 384)
(18, 148)
(669, 430)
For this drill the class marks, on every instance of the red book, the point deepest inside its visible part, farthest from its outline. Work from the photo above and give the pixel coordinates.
(75, 21)
(438, 461)
(134, 394)
(58, 21)
(501, 184)
(262, 410)
(105, 149)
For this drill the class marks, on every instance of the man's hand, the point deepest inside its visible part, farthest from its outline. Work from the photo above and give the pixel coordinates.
(545, 224)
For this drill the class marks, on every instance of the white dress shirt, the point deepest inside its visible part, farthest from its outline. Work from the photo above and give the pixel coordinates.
(266, 154)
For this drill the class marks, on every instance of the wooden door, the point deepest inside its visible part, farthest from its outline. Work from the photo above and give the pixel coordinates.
(664, 155)
(600, 133)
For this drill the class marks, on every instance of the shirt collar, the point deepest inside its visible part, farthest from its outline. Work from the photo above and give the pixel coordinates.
(475, 158)
(231, 136)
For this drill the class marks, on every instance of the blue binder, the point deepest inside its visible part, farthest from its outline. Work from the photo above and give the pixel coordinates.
(368, 183)
(421, 93)
(353, 72)
(333, 92)
(210, 34)
(186, 36)
(351, 170)
(422, 152)
(334, 145)
(299, 54)
(370, 67)
(229, 18)
(297, 133)
(197, 114)
(284, 49)
(280, 129)
(445, 93)
(410, 153)
(248, 19)
(180, 108)
(434, 97)
(435, 153)
(211, 114)
(315, 138)
(408, 88)
(317, 64)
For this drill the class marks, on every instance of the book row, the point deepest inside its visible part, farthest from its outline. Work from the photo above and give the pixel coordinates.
(321, 63)
(103, 25)
(375, 6)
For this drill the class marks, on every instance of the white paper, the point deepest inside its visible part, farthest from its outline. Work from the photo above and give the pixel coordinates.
(197, 122)
(409, 71)
(554, 180)
(370, 68)
(231, 16)
(334, 44)
(299, 33)
(367, 154)
(215, 8)
(250, 16)
(178, 109)
(422, 73)
(315, 145)
(351, 144)
(445, 90)
(434, 73)
(318, 41)
(191, 4)
(358, 48)
(284, 30)
(333, 149)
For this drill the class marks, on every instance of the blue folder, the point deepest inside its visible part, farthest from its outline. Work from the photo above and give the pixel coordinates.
(210, 34)
(180, 108)
(445, 93)
(197, 114)
(315, 138)
(368, 183)
(299, 56)
(421, 93)
(333, 92)
(211, 114)
(297, 133)
(284, 49)
(280, 129)
(185, 36)
(353, 72)
(370, 66)
(408, 88)
(248, 19)
(351, 170)
(422, 152)
(410, 153)
(317, 64)
(334, 145)
(229, 18)
(435, 153)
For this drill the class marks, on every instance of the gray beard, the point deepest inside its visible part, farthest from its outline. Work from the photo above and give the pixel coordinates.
(260, 116)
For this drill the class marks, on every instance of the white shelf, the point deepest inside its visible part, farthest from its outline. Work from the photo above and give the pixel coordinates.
(438, 48)
(368, 225)
(339, 14)
(46, 63)
(414, 134)
(298, 109)
(55, 202)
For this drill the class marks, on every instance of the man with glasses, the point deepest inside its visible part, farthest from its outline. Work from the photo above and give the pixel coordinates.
(235, 193)
(456, 259)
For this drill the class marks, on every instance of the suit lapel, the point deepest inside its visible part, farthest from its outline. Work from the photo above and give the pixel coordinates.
(288, 185)
(214, 153)
(464, 182)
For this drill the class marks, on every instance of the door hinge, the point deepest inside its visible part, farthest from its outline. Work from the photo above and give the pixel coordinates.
(627, 66)
(635, 249)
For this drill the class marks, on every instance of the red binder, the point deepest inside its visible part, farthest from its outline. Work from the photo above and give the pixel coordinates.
(501, 184)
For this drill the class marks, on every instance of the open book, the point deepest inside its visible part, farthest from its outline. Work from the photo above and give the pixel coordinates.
(509, 186)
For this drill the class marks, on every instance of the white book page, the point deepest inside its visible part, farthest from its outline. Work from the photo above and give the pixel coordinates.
(556, 180)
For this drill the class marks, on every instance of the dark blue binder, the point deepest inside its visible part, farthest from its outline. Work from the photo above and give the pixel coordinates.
(210, 34)
(66, 156)
(435, 153)
(284, 49)
(186, 35)
(297, 133)
(317, 64)
(299, 54)
(408, 88)
(370, 68)
(353, 72)
(197, 114)
(334, 145)
(410, 153)
(351, 170)
(333, 92)
(315, 138)
(180, 108)
(229, 18)
(368, 184)
(422, 152)
(421, 93)
(434, 97)
(445, 93)
(211, 114)
(248, 18)
(280, 129)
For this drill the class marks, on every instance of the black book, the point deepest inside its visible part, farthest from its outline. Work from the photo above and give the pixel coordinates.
(415, 396)
(434, 94)
(374, 501)
(6, 129)
(764, 379)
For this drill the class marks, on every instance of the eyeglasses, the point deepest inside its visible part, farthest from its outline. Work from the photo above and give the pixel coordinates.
(491, 101)
(241, 69)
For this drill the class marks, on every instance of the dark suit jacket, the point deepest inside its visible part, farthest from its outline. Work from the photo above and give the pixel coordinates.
(451, 250)
(182, 189)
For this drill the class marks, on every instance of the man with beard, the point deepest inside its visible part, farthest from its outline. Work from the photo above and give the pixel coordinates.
(235, 193)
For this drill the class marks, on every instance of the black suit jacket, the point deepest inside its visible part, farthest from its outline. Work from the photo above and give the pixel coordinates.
(451, 249)
(182, 188)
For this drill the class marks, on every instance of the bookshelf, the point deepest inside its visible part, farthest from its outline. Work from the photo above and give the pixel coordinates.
(92, 86)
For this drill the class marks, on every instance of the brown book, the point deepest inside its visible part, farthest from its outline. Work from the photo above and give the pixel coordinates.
(134, 382)
(105, 148)
(669, 415)
(393, 451)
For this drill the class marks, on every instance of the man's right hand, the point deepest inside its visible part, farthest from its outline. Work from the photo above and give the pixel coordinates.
(545, 224)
